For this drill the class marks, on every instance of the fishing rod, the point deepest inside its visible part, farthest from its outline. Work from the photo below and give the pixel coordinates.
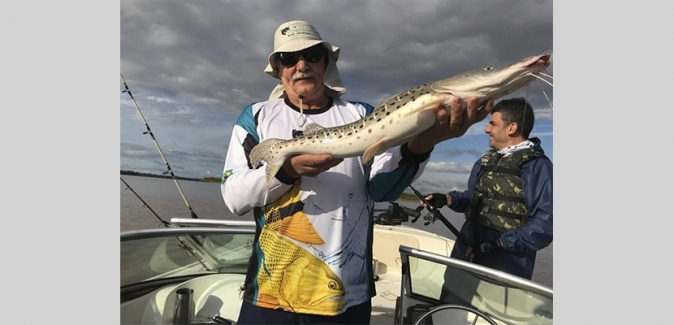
(164, 222)
(194, 215)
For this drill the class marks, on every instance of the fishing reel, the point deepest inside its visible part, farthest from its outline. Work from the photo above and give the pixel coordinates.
(395, 215)
(429, 218)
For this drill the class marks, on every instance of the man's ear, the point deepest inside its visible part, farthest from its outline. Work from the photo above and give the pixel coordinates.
(512, 129)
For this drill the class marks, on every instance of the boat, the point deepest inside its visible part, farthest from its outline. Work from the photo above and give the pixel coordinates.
(192, 272)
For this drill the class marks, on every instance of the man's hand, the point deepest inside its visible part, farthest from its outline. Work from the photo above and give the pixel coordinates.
(309, 164)
(485, 248)
(437, 200)
(450, 122)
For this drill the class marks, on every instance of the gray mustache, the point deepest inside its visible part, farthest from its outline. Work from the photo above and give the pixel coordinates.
(301, 75)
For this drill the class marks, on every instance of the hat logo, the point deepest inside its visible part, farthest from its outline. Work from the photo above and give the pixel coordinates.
(296, 30)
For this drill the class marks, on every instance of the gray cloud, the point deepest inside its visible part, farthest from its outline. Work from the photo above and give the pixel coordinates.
(449, 167)
(474, 153)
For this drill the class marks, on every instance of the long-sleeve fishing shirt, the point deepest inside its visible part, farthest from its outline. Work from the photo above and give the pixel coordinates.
(519, 244)
(313, 246)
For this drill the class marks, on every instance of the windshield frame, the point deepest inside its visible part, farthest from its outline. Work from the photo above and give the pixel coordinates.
(411, 295)
(193, 237)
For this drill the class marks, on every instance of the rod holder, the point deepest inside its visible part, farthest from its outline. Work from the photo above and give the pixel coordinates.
(184, 309)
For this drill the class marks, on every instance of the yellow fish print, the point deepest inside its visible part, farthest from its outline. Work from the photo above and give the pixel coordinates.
(292, 278)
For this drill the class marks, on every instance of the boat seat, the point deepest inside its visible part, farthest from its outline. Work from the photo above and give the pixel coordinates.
(386, 252)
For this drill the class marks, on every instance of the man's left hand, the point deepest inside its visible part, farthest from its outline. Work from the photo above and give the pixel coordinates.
(450, 122)
(485, 248)
(492, 246)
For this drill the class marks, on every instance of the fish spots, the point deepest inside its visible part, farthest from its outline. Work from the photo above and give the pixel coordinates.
(390, 121)
(369, 130)
(358, 137)
(383, 126)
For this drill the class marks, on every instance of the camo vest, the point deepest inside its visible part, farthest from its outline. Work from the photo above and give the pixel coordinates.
(497, 200)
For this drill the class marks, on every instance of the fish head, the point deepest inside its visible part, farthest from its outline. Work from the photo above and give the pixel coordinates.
(319, 287)
(495, 82)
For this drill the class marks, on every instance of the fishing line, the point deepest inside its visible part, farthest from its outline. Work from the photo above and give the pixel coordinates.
(194, 215)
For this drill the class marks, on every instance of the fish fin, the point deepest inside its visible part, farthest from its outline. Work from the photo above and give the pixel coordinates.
(312, 128)
(427, 103)
(268, 301)
(374, 150)
(272, 168)
(298, 227)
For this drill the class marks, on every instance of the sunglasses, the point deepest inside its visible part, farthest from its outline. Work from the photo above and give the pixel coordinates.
(311, 55)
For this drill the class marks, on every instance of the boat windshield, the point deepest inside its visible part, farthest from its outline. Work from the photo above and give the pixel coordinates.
(183, 250)
(440, 280)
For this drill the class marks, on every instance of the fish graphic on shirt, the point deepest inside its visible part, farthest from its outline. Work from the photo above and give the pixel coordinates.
(290, 277)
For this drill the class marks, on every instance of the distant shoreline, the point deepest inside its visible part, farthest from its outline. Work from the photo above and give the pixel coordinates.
(205, 179)
(403, 197)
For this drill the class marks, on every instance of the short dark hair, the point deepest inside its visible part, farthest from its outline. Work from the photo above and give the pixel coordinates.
(518, 111)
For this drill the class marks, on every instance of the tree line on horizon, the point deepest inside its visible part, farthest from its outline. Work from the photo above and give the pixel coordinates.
(203, 179)
(404, 196)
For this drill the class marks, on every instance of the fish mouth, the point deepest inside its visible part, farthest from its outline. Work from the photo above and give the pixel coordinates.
(543, 59)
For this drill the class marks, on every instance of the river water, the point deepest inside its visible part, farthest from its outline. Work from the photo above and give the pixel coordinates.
(163, 197)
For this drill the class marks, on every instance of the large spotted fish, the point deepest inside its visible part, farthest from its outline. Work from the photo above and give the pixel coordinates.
(400, 117)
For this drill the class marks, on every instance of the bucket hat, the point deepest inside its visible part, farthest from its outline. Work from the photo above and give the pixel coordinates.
(297, 35)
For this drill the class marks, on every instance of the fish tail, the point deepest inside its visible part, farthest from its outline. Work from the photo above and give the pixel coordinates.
(268, 151)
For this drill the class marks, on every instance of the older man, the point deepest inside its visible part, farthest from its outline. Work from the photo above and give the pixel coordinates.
(312, 256)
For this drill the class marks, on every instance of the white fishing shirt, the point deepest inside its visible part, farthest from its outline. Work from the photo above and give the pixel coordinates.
(337, 204)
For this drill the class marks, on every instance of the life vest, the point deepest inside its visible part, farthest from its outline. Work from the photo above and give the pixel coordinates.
(497, 200)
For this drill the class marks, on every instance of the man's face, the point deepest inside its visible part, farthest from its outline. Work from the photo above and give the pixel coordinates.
(302, 72)
(498, 131)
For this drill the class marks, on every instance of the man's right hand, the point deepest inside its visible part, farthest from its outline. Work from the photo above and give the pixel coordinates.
(438, 200)
(309, 164)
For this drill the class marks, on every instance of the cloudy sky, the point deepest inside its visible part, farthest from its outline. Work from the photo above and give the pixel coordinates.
(192, 67)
